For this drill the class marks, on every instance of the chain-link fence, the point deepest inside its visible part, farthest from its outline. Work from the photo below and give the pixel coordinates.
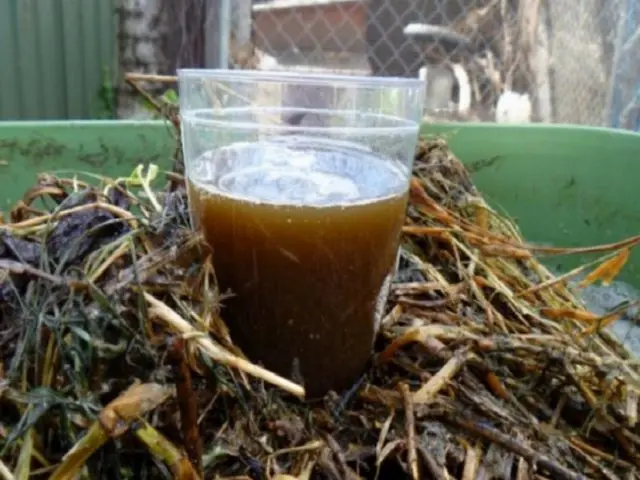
(563, 61)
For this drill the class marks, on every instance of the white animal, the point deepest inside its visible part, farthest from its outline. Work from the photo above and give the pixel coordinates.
(513, 107)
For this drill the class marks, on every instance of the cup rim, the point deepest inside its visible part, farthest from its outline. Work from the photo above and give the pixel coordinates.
(195, 116)
(299, 78)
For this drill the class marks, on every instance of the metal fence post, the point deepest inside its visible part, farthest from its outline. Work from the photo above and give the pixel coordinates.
(217, 32)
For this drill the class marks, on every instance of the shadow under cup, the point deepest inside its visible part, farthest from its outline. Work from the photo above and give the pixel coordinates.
(304, 222)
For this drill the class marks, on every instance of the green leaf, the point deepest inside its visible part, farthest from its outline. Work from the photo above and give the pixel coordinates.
(170, 96)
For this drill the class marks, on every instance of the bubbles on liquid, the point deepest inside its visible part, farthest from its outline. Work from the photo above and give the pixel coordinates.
(290, 170)
(279, 185)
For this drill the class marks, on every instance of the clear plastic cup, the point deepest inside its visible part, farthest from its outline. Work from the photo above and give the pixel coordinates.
(299, 183)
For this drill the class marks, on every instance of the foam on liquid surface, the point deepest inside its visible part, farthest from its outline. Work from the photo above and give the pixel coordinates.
(294, 171)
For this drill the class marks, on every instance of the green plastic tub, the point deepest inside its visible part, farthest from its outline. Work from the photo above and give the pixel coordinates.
(565, 185)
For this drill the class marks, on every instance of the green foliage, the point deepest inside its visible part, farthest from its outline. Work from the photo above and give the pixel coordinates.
(105, 108)
(168, 98)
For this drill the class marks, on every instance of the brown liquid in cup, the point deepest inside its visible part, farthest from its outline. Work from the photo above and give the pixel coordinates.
(305, 249)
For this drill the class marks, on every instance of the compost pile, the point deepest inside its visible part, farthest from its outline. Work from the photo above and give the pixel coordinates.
(115, 362)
